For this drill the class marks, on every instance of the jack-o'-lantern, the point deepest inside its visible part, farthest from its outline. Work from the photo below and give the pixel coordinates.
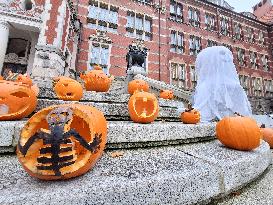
(67, 88)
(267, 135)
(16, 100)
(166, 94)
(190, 116)
(63, 141)
(97, 80)
(143, 107)
(25, 79)
(238, 132)
(137, 85)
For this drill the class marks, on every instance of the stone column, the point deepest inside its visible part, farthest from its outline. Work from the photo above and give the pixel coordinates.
(4, 38)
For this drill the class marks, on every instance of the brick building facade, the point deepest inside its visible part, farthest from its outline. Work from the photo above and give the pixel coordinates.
(63, 36)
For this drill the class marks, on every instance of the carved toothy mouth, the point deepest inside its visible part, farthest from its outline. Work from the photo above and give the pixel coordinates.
(144, 107)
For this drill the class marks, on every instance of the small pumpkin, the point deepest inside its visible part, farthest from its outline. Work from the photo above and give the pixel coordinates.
(166, 94)
(190, 116)
(67, 88)
(63, 141)
(143, 107)
(25, 79)
(238, 132)
(97, 80)
(16, 100)
(137, 85)
(267, 134)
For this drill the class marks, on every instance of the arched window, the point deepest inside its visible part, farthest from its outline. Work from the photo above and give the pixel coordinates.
(27, 5)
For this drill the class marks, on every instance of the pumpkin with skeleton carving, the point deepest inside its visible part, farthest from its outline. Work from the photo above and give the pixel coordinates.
(63, 141)
(143, 107)
(17, 100)
(67, 88)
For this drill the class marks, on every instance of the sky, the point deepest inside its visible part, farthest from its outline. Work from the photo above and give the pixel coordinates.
(243, 5)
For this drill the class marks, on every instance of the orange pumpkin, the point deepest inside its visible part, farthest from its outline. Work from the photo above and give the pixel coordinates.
(166, 94)
(190, 116)
(267, 134)
(25, 79)
(61, 142)
(1, 77)
(96, 80)
(240, 133)
(16, 100)
(143, 107)
(67, 88)
(137, 85)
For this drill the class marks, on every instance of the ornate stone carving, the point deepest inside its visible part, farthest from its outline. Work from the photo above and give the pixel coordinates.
(100, 37)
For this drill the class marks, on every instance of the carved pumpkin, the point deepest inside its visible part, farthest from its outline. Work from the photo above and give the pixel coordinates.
(97, 80)
(143, 107)
(190, 116)
(25, 79)
(166, 94)
(16, 100)
(240, 133)
(67, 88)
(267, 134)
(61, 142)
(137, 85)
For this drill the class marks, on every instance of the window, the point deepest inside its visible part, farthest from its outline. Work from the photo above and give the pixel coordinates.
(28, 5)
(261, 38)
(227, 46)
(250, 36)
(195, 45)
(102, 17)
(100, 56)
(194, 17)
(177, 42)
(264, 60)
(268, 85)
(224, 26)
(241, 56)
(212, 43)
(146, 2)
(139, 26)
(244, 81)
(210, 22)
(178, 73)
(257, 87)
(176, 11)
(238, 31)
(193, 77)
(253, 60)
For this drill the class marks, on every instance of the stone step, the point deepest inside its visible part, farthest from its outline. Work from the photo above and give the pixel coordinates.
(189, 174)
(124, 134)
(118, 110)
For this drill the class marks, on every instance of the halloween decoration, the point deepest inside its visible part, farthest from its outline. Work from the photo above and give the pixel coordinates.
(61, 142)
(143, 107)
(166, 94)
(190, 116)
(267, 134)
(25, 79)
(67, 88)
(16, 100)
(96, 80)
(137, 85)
(240, 133)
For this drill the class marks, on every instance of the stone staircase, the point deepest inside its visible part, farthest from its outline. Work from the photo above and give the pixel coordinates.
(166, 162)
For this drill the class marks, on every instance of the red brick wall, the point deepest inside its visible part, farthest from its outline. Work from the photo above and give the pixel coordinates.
(121, 42)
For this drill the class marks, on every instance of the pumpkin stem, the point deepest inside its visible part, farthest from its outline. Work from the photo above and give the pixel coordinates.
(190, 108)
(238, 114)
(263, 126)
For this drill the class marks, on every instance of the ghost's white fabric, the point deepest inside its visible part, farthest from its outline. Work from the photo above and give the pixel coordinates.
(218, 92)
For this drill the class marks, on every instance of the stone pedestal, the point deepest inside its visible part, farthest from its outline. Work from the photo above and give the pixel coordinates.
(4, 38)
(49, 62)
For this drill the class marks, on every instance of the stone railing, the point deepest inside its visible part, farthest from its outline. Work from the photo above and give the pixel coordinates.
(156, 86)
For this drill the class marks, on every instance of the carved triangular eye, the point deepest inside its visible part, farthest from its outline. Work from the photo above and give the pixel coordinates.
(20, 94)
